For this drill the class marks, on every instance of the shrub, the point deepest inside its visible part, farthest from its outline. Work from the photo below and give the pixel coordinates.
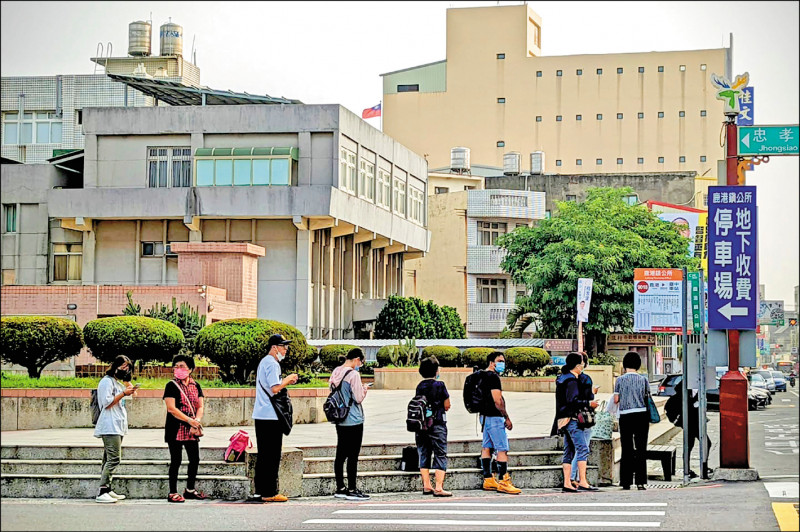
(237, 346)
(448, 356)
(475, 356)
(139, 338)
(399, 318)
(441, 328)
(36, 341)
(333, 355)
(526, 359)
(551, 371)
(455, 326)
(604, 359)
(384, 355)
(185, 317)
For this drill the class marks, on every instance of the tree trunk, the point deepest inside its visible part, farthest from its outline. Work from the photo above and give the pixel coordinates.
(34, 372)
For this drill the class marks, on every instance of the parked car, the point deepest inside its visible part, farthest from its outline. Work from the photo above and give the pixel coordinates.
(767, 375)
(758, 384)
(763, 396)
(668, 384)
(780, 380)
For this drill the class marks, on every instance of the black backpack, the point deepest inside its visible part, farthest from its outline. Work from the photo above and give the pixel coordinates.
(417, 419)
(336, 408)
(673, 409)
(94, 407)
(410, 459)
(474, 393)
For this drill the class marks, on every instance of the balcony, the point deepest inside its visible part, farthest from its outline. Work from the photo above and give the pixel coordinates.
(500, 203)
(487, 317)
(484, 259)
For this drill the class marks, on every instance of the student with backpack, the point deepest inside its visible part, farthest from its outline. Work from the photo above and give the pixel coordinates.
(432, 439)
(349, 431)
(495, 422)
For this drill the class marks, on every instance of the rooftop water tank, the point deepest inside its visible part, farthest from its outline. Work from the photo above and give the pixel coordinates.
(537, 163)
(459, 159)
(171, 38)
(511, 163)
(140, 37)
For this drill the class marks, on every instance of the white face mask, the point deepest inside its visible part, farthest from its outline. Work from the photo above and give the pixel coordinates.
(280, 357)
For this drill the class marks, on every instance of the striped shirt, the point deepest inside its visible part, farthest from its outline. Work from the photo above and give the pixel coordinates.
(632, 389)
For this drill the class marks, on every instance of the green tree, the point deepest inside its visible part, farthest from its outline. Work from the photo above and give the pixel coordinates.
(137, 337)
(454, 325)
(399, 318)
(602, 238)
(188, 319)
(36, 341)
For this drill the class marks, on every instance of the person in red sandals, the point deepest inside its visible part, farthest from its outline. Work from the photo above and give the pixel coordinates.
(184, 399)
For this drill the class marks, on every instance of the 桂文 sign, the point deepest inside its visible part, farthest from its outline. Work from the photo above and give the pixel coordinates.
(732, 258)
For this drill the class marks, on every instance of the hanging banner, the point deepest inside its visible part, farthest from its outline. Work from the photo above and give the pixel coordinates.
(584, 298)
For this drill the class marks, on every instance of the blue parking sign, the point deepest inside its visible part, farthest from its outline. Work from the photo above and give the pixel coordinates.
(745, 116)
(732, 258)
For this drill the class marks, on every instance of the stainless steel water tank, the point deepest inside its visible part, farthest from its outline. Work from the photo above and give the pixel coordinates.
(511, 163)
(459, 159)
(171, 38)
(537, 163)
(140, 37)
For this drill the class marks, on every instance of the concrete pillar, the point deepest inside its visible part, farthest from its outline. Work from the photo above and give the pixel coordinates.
(87, 267)
(303, 294)
(304, 158)
(331, 291)
(164, 257)
(136, 245)
(90, 161)
(195, 236)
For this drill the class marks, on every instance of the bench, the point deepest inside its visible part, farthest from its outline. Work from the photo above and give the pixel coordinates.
(666, 455)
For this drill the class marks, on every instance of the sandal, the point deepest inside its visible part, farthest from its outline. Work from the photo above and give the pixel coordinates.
(175, 497)
(196, 494)
(427, 492)
(442, 493)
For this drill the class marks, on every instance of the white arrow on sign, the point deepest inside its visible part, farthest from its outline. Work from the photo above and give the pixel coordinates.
(746, 142)
(729, 311)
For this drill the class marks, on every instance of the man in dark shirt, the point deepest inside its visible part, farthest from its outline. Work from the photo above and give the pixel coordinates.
(495, 422)
(433, 442)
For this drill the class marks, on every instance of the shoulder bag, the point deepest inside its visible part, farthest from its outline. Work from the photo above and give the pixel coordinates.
(197, 432)
(655, 417)
(283, 407)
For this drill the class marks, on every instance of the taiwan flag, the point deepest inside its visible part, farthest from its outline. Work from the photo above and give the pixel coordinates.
(372, 112)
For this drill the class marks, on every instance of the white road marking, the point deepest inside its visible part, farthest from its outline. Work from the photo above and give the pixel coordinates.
(501, 512)
(504, 524)
(779, 476)
(784, 400)
(520, 505)
(794, 393)
(788, 490)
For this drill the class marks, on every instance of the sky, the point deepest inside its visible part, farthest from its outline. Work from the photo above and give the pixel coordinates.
(334, 52)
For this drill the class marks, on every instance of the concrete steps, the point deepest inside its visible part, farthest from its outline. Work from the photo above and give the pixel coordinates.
(126, 467)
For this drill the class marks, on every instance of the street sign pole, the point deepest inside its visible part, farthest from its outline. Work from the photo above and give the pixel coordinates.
(703, 386)
(685, 388)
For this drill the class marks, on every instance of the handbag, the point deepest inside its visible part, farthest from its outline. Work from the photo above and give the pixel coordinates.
(585, 418)
(283, 408)
(604, 424)
(194, 431)
(655, 417)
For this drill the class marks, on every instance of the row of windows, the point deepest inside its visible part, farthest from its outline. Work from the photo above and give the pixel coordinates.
(40, 127)
(262, 171)
(639, 160)
(631, 199)
(620, 116)
(620, 70)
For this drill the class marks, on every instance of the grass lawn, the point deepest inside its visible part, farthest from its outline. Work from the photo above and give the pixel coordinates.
(10, 380)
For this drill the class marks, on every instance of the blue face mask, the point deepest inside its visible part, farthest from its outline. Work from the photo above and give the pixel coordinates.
(437, 376)
(500, 367)
(357, 368)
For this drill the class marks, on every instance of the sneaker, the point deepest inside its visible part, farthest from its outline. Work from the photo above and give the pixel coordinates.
(116, 496)
(275, 498)
(196, 494)
(356, 495)
(505, 486)
(341, 493)
(490, 484)
(105, 497)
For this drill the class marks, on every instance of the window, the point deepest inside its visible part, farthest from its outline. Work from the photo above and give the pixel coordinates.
(67, 261)
(558, 118)
(598, 161)
(702, 158)
(501, 100)
(661, 69)
(599, 71)
(619, 116)
(538, 73)
(705, 200)
(578, 117)
(631, 199)
(40, 127)
(79, 116)
(10, 218)
(641, 70)
(501, 56)
(619, 70)
(599, 116)
(548, 215)
(640, 116)
(383, 189)
(619, 160)
(242, 172)
(366, 180)
(417, 204)
(703, 66)
(241, 167)
(441, 190)
(558, 162)
(501, 143)
(408, 88)
(488, 232)
(469, 187)
(399, 198)
(347, 170)
(491, 290)
(539, 118)
(152, 249)
(640, 160)
(579, 72)
(702, 112)
(660, 159)
(578, 162)
(682, 159)
(661, 114)
(558, 73)
(681, 114)
(572, 197)
(169, 166)
(682, 68)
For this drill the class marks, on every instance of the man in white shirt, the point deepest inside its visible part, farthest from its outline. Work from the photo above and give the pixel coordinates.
(269, 434)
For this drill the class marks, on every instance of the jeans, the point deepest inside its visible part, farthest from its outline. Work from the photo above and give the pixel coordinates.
(432, 442)
(633, 429)
(348, 445)
(587, 435)
(574, 444)
(269, 438)
(112, 453)
(175, 456)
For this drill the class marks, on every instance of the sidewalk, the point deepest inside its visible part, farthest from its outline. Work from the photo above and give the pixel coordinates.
(385, 413)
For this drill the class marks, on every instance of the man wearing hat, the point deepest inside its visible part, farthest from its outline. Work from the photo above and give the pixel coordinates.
(269, 435)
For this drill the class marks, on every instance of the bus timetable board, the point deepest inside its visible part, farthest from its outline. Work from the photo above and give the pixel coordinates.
(657, 300)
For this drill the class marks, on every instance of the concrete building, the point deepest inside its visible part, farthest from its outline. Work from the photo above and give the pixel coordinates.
(628, 113)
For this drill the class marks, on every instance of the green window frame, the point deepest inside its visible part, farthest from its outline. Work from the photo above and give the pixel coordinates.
(244, 166)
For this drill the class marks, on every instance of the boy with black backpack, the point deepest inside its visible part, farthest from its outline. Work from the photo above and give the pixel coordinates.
(431, 438)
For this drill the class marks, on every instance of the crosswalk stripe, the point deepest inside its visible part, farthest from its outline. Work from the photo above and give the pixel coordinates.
(520, 505)
(789, 490)
(465, 522)
(502, 512)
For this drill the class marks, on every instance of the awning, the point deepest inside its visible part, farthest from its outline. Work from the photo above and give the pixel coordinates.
(71, 162)
(247, 152)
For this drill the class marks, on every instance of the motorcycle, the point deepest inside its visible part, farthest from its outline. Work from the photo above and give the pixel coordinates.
(791, 380)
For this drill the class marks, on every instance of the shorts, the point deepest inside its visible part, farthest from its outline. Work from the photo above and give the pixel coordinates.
(494, 433)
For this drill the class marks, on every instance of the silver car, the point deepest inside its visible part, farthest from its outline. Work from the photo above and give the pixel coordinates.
(767, 375)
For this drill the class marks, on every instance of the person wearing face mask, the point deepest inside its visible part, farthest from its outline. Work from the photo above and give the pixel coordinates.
(184, 399)
(269, 431)
(587, 391)
(495, 421)
(434, 440)
(112, 425)
(349, 432)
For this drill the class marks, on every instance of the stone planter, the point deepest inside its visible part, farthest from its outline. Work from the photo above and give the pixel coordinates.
(408, 378)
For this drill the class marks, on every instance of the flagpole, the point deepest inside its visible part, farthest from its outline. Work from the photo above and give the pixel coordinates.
(380, 104)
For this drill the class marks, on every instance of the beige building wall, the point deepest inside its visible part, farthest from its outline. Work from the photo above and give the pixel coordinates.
(446, 183)
(467, 112)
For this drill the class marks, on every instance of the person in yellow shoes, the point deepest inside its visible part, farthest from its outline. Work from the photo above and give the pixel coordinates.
(495, 423)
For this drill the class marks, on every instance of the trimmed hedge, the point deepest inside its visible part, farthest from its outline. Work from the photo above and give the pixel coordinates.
(332, 356)
(137, 337)
(448, 356)
(382, 356)
(36, 341)
(476, 356)
(521, 359)
(238, 345)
